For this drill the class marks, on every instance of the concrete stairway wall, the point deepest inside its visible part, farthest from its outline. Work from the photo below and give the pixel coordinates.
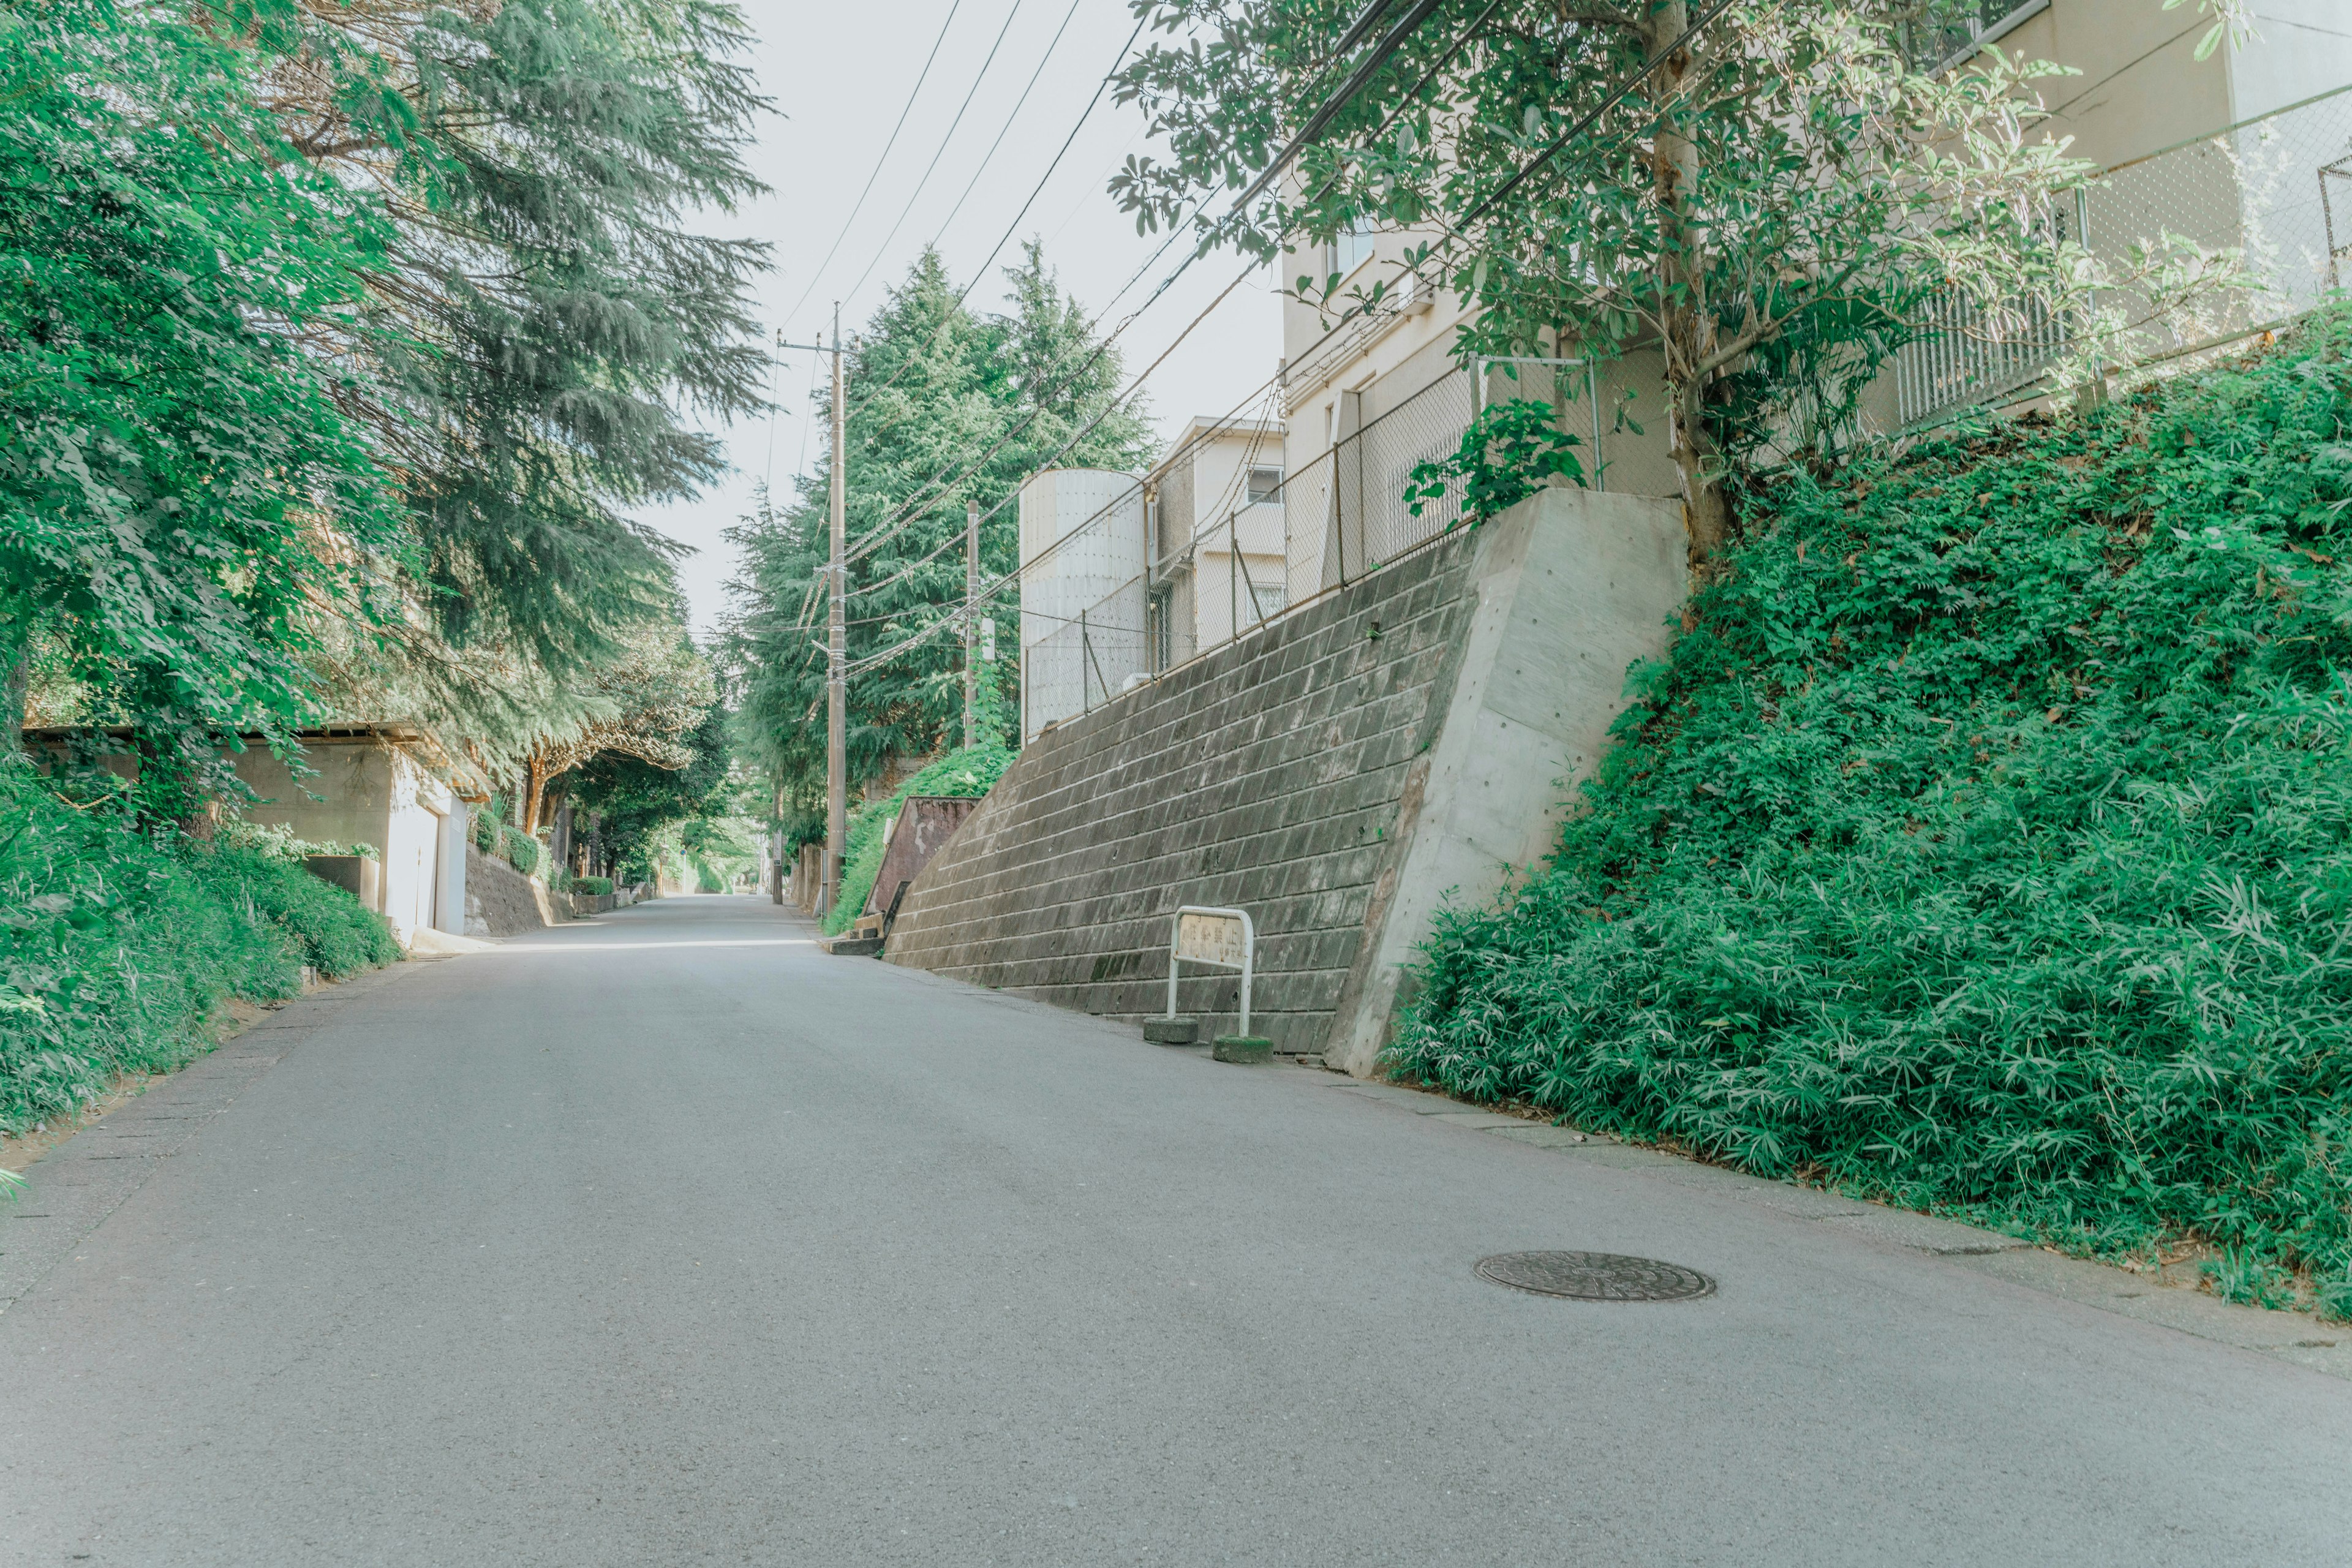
(1411, 737)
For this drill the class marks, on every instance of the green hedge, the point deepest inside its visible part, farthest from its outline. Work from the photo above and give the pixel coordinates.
(595, 886)
(1987, 846)
(115, 949)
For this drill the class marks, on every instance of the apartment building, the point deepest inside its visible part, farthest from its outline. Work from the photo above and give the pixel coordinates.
(1220, 555)
(1124, 576)
(1368, 398)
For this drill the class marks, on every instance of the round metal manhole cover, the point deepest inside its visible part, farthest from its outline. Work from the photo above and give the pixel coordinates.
(1595, 1275)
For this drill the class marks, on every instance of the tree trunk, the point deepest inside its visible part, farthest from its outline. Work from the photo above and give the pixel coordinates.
(1688, 323)
(11, 704)
(534, 785)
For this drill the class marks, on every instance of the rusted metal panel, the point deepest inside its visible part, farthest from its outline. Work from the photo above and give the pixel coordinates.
(925, 823)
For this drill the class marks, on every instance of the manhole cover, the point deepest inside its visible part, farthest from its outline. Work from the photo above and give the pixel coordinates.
(1595, 1275)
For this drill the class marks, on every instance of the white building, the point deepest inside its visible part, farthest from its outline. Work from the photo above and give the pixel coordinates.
(1083, 598)
(366, 789)
(1220, 552)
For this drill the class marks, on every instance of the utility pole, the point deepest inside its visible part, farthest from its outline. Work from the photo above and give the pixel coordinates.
(836, 676)
(971, 621)
(836, 680)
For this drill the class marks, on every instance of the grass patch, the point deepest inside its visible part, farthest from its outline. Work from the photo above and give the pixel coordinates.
(116, 947)
(1986, 845)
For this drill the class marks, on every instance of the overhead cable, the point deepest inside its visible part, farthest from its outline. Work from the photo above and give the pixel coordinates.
(945, 141)
(859, 205)
(1388, 46)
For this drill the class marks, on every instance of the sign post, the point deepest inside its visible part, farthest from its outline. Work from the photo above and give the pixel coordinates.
(1217, 939)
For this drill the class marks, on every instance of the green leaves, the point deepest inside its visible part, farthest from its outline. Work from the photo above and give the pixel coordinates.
(183, 496)
(117, 944)
(1986, 845)
(1510, 450)
(1770, 210)
(935, 392)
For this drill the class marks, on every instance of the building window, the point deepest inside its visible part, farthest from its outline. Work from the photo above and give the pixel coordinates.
(1265, 485)
(1350, 249)
(1264, 601)
(1945, 32)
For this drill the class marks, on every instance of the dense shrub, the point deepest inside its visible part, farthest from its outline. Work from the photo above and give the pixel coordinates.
(520, 850)
(1986, 845)
(115, 948)
(486, 823)
(332, 930)
(595, 886)
(967, 773)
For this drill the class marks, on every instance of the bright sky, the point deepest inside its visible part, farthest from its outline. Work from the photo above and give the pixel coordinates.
(839, 75)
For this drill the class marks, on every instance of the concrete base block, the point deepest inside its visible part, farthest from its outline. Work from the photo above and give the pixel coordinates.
(1251, 1049)
(855, 947)
(1172, 1031)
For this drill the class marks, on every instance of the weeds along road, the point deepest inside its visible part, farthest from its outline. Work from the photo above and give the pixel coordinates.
(672, 1240)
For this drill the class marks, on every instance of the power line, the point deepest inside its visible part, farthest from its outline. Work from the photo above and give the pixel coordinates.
(1388, 46)
(981, 271)
(1017, 104)
(860, 204)
(945, 141)
(1395, 40)
(1389, 43)
(1084, 114)
(1616, 95)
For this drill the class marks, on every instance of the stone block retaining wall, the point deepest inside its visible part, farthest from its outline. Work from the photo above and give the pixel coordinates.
(1422, 726)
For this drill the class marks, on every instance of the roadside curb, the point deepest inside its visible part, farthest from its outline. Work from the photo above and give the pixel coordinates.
(2294, 1337)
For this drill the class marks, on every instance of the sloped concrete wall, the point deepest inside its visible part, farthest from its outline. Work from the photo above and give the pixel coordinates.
(1338, 775)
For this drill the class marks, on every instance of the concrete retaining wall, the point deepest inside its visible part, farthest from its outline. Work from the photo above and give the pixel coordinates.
(1338, 775)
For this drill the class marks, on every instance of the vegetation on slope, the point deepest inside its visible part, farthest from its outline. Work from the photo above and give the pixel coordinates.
(1985, 844)
(117, 946)
(968, 772)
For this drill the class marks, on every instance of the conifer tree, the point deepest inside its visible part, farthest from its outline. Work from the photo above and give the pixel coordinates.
(933, 388)
(548, 316)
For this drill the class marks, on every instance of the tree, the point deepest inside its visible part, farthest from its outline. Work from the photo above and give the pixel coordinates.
(187, 502)
(1767, 206)
(934, 391)
(644, 704)
(544, 316)
(630, 803)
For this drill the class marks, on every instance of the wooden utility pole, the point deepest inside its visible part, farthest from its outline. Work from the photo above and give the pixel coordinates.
(836, 676)
(971, 621)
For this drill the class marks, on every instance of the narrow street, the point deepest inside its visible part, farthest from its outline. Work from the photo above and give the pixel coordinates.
(670, 1239)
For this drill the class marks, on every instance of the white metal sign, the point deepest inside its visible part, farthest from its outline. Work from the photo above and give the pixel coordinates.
(1221, 939)
(1212, 936)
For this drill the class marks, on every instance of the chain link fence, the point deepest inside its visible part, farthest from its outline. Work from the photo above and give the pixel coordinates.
(2205, 242)
(1090, 633)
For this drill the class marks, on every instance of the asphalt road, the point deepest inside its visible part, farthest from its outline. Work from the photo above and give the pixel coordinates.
(672, 1240)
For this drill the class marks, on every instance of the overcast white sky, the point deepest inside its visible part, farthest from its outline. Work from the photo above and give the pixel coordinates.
(839, 75)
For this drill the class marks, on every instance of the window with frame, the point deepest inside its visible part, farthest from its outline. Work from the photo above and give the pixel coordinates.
(1347, 250)
(1936, 34)
(1265, 485)
(1261, 601)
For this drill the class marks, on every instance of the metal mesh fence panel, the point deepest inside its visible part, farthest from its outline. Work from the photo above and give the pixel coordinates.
(1425, 427)
(2267, 199)
(1244, 567)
